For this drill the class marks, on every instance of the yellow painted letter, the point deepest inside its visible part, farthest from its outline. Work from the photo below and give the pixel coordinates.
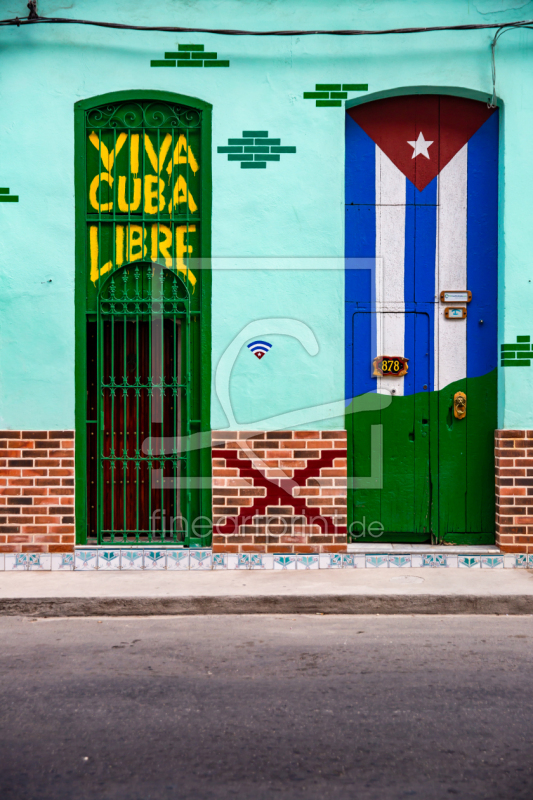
(183, 249)
(181, 194)
(93, 189)
(157, 161)
(161, 246)
(179, 159)
(136, 236)
(120, 245)
(108, 156)
(93, 251)
(122, 204)
(152, 192)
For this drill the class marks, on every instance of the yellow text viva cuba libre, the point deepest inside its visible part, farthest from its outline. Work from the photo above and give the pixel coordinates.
(154, 185)
(134, 242)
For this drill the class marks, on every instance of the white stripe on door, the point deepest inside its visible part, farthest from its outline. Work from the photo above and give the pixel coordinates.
(390, 258)
(450, 269)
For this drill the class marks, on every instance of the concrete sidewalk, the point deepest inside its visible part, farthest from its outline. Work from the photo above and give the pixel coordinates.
(402, 591)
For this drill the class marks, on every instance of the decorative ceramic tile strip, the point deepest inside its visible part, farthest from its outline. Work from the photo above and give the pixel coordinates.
(330, 560)
(437, 560)
(329, 95)
(86, 559)
(399, 560)
(492, 562)
(379, 561)
(285, 562)
(28, 561)
(200, 559)
(63, 561)
(254, 149)
(5, 197)
(469, 562)
(307, 562)
(155, 559)
(190, 55)
(178, 559)
(238, 561)
(261, 561)
(108, 559)
(130, 558)
(517, 355)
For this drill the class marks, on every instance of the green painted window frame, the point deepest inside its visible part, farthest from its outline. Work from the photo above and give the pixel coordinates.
(81, 268)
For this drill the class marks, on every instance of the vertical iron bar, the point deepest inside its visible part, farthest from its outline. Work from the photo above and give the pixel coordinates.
(125, 469)
(137, 397)
(174, 425)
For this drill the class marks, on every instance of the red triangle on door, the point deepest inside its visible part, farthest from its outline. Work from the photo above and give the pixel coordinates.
(421, 133)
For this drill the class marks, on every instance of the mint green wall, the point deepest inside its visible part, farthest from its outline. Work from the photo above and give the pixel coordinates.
(293, 208)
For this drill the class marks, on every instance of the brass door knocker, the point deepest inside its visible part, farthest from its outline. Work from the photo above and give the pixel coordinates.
(459, 405)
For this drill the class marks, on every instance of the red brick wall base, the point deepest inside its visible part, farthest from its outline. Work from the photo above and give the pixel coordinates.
(279, 491)
(36, 491)
(514, 490)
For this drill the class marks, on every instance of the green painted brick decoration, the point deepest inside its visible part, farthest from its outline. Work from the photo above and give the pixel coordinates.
(517, 355)
(5, 197)
(329, 95)
(190, 55)
(255, 149)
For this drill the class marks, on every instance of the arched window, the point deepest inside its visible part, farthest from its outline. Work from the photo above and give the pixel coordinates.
(143, 195)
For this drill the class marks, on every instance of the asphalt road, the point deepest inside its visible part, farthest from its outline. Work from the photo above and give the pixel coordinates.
(310, 707)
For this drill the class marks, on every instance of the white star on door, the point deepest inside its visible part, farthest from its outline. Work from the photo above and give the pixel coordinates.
(420, 147)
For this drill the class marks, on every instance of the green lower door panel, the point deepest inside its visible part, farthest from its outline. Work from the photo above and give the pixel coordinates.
(466, 462)
(437, 471)
(399, 511)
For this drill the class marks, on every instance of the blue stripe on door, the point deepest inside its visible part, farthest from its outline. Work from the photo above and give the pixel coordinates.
(419, 286)
(482, 249)
(360, 182)
(360, 243)
(426, 197)
(361, 326)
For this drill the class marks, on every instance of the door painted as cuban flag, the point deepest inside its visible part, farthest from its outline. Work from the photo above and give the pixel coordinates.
(422, 207)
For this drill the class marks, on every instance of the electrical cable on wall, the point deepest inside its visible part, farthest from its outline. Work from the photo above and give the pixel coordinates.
(33, 18)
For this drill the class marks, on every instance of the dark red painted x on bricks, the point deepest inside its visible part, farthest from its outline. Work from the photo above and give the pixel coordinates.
(280, 491)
